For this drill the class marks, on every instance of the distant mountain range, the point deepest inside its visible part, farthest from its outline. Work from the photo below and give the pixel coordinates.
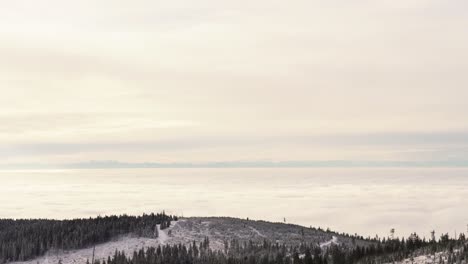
(112, 164)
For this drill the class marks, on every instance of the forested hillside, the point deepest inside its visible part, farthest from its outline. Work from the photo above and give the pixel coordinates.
(25, 239)
(236, 252)
(161, 239)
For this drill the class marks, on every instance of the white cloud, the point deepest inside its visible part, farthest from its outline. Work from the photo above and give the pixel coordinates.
(77, 72)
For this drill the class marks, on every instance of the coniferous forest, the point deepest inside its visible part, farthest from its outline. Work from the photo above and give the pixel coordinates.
(236, 252)
(25, 239)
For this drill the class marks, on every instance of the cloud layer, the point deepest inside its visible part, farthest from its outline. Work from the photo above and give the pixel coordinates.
(210, 81)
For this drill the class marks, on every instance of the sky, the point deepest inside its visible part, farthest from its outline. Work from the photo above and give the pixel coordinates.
(258, 81)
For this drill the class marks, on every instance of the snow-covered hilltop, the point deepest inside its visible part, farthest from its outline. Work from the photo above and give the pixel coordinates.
(220, 238)
(218, 230)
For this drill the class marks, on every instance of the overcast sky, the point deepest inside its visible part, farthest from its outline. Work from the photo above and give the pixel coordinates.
(209, 80)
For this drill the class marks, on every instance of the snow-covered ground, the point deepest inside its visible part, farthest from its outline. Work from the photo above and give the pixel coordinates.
(424, 259)
(127, 243)
(219, 230)
(333, 241)
(162, 234)
(428, 259)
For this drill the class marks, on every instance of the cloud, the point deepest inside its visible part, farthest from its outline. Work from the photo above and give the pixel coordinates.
(354, 150)
(232, 80)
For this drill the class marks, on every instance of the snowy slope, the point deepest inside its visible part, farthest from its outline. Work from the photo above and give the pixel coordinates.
(428, 259)
(102, 251)
(217, 229)
(333, 241)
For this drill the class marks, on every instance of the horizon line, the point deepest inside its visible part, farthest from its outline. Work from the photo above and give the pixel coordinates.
(113, 164)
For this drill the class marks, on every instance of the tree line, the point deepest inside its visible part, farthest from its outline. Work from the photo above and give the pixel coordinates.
(25, 239)
(236, 252)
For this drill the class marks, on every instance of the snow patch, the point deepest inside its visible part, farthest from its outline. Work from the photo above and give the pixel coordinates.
(256, 231)
(333, 241)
